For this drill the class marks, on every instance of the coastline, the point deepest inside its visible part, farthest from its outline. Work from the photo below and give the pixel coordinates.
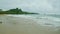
(20, 25)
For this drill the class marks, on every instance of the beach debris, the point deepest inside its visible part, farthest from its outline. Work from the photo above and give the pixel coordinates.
(0, 21)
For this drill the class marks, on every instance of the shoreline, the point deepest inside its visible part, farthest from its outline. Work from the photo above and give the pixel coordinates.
(20, 25)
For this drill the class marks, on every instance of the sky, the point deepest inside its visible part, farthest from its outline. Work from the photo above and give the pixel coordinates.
(39, 6)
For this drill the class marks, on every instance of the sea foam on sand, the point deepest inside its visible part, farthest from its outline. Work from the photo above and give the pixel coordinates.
(22, 25)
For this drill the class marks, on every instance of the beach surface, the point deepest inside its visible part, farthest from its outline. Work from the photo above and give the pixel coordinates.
(21, 25)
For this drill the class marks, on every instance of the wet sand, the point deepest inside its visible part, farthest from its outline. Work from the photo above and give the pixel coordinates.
(20, 25)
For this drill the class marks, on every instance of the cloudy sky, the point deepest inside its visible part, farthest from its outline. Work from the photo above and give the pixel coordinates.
(40, 6)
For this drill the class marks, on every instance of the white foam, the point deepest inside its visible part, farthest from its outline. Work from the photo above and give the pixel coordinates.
(45, 21)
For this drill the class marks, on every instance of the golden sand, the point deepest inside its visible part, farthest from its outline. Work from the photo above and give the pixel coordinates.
(14, 25)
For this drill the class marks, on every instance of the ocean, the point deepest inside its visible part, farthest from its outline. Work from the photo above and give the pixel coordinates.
(51, 20)
(30, 24)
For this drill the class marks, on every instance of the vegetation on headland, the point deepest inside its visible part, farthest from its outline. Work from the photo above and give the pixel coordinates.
(15, 11)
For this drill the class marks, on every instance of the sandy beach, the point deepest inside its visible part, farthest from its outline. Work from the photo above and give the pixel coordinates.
(21, 25)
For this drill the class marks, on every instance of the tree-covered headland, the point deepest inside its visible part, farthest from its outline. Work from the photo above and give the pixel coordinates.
(15, 11)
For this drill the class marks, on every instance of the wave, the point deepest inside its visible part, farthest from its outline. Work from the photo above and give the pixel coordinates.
(43, 20)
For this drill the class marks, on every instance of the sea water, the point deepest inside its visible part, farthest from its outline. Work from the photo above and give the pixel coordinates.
(44, 20)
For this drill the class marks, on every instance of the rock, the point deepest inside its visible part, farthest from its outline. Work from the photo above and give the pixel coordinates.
(0, 22)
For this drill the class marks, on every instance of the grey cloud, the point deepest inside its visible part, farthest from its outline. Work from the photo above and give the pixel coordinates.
(44, 6)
